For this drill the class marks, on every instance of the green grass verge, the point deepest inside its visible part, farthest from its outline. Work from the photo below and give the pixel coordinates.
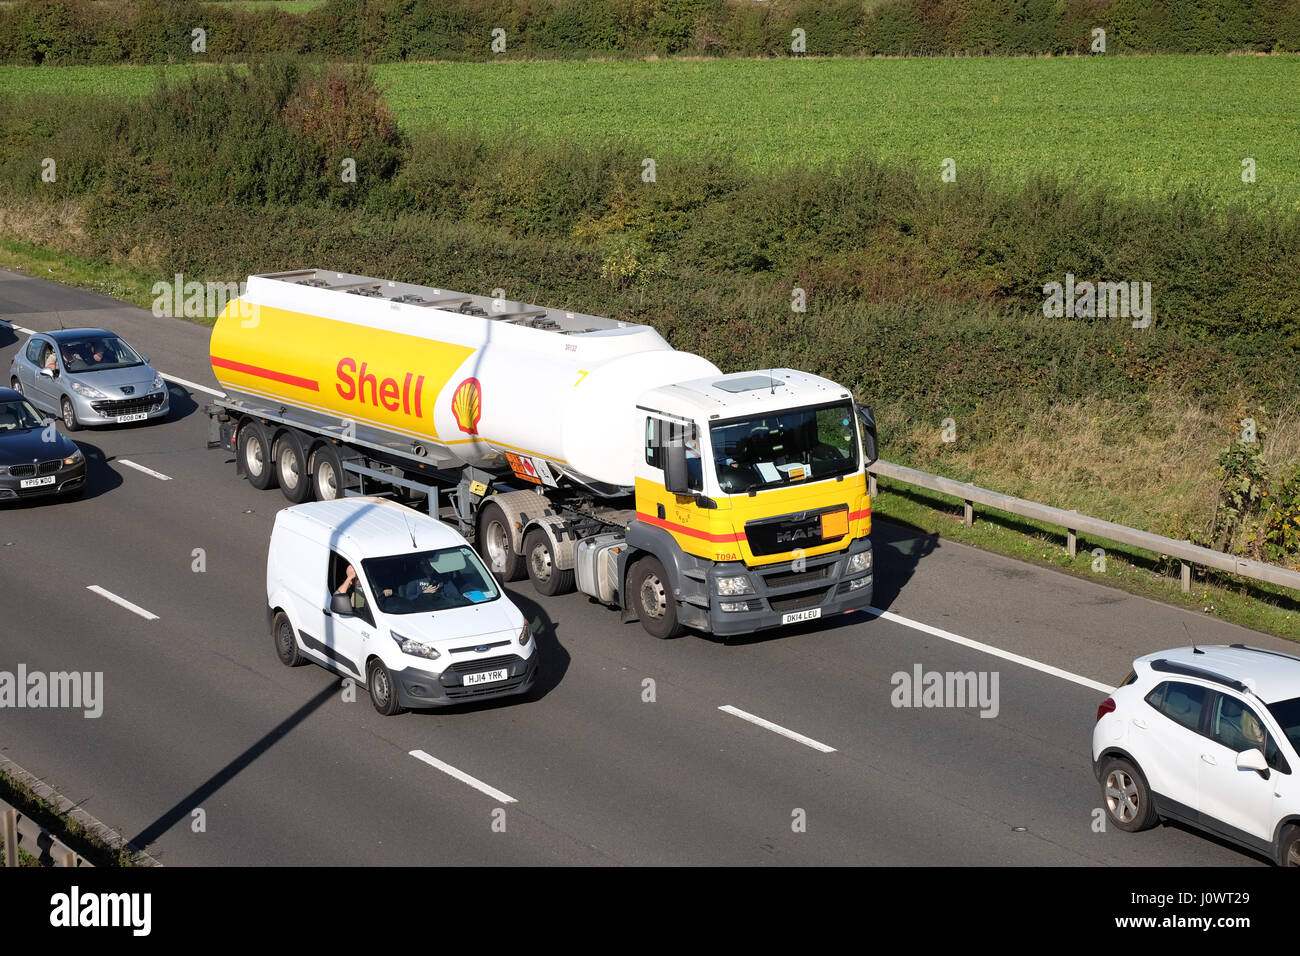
(1139, 123)
(71, 831)
(1261, 607)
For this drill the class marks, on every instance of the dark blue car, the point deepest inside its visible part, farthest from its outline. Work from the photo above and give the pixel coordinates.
(35, 457)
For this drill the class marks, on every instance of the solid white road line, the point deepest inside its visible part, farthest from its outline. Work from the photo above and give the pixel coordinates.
(194, 385)
(134, 608)
(777, 728)
(989, 649)
(463, 777)
(19, 328)
(148, 471)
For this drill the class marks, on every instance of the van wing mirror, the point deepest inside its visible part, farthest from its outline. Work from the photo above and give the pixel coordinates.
(676, 477)
(341, 605)
(870, 446)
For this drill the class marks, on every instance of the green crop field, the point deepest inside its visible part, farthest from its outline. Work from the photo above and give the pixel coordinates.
(1137, 123)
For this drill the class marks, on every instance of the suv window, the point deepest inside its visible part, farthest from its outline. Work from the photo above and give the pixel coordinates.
(1181, 703)
(1236, 726)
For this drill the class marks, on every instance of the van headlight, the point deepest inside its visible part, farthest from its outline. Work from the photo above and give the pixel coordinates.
(414, 648)
(859, 562)
(733, 585)
(526, 634)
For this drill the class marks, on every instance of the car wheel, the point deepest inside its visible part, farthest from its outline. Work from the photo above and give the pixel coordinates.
(540, 558)
(70, 415)
(291, 467)
(253, 446)
(1289, 855)
(286, 648)
(494, 544)
(327, 473)
(648, 585)
(1127, 797)
(382, 693)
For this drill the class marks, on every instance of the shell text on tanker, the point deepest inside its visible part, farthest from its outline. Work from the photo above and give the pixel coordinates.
(385, 393)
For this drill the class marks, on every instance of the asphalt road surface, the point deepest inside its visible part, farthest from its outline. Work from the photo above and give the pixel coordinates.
(211, 752)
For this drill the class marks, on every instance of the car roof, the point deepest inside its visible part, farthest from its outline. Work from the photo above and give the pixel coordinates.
(370, 527)
(63, 335)
(1272, 675)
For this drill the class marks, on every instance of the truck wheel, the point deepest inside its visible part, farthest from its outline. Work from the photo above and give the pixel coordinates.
(382, 692)
(327, 473)
(648, 585)
(286, 648)
(1127, 796)
(540, 558)
(253, 446)
(494, 544)
(291, 467)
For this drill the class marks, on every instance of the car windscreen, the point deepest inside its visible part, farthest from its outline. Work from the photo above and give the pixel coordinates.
(96, 353)
(782, 448)
(18, 416)
(1287, 713)
(426, 581)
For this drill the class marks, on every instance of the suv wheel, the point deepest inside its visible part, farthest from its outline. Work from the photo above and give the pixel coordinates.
(1127, 797)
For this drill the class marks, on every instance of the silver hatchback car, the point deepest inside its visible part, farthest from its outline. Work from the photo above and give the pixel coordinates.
(88, 377)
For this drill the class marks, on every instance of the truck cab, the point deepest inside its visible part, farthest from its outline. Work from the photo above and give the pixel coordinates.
(751, 504)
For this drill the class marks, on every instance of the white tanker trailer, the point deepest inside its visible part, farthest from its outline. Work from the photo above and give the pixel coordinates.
(575, 448)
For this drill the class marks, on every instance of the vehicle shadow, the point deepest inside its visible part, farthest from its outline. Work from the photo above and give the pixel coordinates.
(553, 664)
(7, 337)
(899, 548)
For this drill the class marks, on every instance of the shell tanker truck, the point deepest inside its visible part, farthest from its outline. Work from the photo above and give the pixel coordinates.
(580, 450)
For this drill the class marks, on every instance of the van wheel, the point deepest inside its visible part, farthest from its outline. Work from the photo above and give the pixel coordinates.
(254, 450)
(494, 544)
(327, 473)
(291, 467)
(540, 557)
(1127, 797)
(382, 692)
(648, 585)
(286, 648)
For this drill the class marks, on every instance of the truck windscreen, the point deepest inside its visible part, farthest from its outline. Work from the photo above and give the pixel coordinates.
(788, 447)
(429, 581)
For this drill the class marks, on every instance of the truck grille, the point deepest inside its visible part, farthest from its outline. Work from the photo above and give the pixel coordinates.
(787, 532)
(129, 406)
(798, 601)
(785, 579)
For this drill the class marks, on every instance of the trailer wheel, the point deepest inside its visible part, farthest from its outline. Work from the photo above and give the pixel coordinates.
(254, 449)
(648, 586)
(540, 558)
(494, 544)
(291, 467)
(327, 473)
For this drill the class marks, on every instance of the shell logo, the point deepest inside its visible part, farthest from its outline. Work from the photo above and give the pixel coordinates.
(467, 405)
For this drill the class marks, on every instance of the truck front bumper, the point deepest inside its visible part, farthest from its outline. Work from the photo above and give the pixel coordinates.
(820, 587)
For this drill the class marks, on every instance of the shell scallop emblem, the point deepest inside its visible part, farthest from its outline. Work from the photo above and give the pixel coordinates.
(467, 405)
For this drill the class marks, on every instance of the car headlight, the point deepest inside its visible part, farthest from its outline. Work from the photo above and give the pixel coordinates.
(859, 562)
(4, 470)
(526, 634)
(87, 391)
(157, 382)
(414, 648)
(75, 458)
(733, 585)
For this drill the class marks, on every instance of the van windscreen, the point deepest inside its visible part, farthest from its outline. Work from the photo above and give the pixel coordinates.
(429, 581)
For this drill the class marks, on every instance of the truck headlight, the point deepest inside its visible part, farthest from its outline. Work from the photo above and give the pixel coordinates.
(75, 458)
(526, 634)
(87, 391)
(414, 648)
(733, 586)
(859, 562)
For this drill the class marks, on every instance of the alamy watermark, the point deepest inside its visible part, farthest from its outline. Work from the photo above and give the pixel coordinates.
(922, 688)
(1101, 300)
(78, 690)
(202, 300)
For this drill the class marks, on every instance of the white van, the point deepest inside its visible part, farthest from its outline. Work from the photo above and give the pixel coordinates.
(396, 600)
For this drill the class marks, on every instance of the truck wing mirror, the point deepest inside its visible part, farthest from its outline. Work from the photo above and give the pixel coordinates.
(341, 605)
(676, 477)
(870, 446)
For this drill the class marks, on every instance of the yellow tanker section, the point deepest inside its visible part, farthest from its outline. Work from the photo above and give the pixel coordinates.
(718, 534)
(382, 378)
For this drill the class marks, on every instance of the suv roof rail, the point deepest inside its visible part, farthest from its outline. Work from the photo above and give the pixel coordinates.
(1189, 670)
(1264, 650)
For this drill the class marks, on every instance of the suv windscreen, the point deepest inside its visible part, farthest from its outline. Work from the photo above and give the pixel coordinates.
(429, 581)
(781, 448)
(1287, 714)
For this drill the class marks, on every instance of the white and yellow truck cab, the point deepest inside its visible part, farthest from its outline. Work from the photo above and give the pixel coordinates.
(580, 450)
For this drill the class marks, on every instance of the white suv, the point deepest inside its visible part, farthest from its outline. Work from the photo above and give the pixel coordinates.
(1207, 736)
